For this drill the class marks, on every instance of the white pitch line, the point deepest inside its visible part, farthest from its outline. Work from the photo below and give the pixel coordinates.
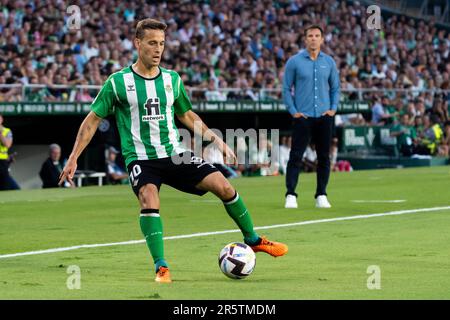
(202, 234)
(378, 201)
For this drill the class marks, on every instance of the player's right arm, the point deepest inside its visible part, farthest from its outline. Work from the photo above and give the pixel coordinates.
(288, 82)
(102, 106)
(84, 136)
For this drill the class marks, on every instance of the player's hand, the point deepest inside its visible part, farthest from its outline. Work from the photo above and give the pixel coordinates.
(68, 172)
(299, 115)
(330, 113)
(228, 154)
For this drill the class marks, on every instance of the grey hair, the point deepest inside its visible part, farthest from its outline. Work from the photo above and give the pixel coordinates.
(54, 146)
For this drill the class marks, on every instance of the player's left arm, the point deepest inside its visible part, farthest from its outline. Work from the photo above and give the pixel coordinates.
(193, 122)
(183, 110)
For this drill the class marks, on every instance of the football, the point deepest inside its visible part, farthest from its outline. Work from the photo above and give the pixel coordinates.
(237, 260)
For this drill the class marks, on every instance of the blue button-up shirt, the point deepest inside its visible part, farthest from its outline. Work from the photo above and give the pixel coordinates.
(316, 84)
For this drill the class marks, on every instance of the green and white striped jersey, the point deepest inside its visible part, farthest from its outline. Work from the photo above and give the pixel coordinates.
(144, 110)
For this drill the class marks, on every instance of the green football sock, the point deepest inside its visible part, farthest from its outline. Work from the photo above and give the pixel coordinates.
(151, 227)
(238, 212)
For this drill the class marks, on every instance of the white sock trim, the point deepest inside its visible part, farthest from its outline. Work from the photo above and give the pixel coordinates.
(232, 201)
(154, 215)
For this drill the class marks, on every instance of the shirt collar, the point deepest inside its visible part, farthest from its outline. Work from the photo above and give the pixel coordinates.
(305, 53)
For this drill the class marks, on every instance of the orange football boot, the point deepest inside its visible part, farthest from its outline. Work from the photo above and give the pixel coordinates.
(163, 275)
(275, 249)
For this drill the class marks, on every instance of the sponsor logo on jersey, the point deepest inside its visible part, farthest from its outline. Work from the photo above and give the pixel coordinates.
(153, 109)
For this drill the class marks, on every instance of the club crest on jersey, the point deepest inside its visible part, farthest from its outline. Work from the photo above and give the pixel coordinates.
(168, 88)
(152, 107)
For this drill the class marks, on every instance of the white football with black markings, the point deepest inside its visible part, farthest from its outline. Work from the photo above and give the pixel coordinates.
(237, 260)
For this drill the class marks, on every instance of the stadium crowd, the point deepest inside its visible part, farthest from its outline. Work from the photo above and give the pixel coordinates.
(228, 44)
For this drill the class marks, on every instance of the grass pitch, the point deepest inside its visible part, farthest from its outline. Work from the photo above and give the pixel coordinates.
(327, 260)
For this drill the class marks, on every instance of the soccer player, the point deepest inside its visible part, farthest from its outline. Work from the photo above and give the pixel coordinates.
(144, 99)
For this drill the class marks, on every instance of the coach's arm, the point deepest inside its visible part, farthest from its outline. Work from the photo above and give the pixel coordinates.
(84, 136)
(193, 122)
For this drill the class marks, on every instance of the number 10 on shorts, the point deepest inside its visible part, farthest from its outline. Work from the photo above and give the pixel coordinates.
(135, 172)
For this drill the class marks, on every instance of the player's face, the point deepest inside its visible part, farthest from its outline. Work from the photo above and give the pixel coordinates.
(150, 48)
(313, 39)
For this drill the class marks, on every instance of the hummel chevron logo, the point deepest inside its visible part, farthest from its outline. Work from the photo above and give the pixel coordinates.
(131, 87)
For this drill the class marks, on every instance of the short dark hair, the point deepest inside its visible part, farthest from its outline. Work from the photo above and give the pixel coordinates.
(314, 26)
(149, 24)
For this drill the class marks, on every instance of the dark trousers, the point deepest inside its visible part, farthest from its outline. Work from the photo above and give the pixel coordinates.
(6, 181)
(319, 130)
(4, 175)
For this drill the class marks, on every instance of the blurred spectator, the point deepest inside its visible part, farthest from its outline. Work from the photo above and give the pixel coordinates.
(338, 165)
(242, 155)
(213, 155)
(115, 173)
(406, 136)
(349, 119)
(39, 94)
(444, 146)
(379, 115)
(212, 94)
(264, 160)
(309, 160)
(430, 135)
(51, 168)
(285, 149)
(13, 185)
(6, 141)
(433, 135)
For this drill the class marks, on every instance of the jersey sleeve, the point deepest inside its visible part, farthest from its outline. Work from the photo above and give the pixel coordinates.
(103, 104)
(182, 103)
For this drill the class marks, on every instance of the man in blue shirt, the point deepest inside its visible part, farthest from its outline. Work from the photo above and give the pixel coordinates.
(313, 104)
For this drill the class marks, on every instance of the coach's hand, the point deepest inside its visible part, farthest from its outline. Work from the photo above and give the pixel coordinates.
(330, 113)
(68, 172)
(299, 115)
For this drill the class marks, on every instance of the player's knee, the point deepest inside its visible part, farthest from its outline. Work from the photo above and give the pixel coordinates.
(226, 190)
(148, 196)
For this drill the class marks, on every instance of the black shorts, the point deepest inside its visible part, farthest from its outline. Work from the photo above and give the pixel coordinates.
(183, 176)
